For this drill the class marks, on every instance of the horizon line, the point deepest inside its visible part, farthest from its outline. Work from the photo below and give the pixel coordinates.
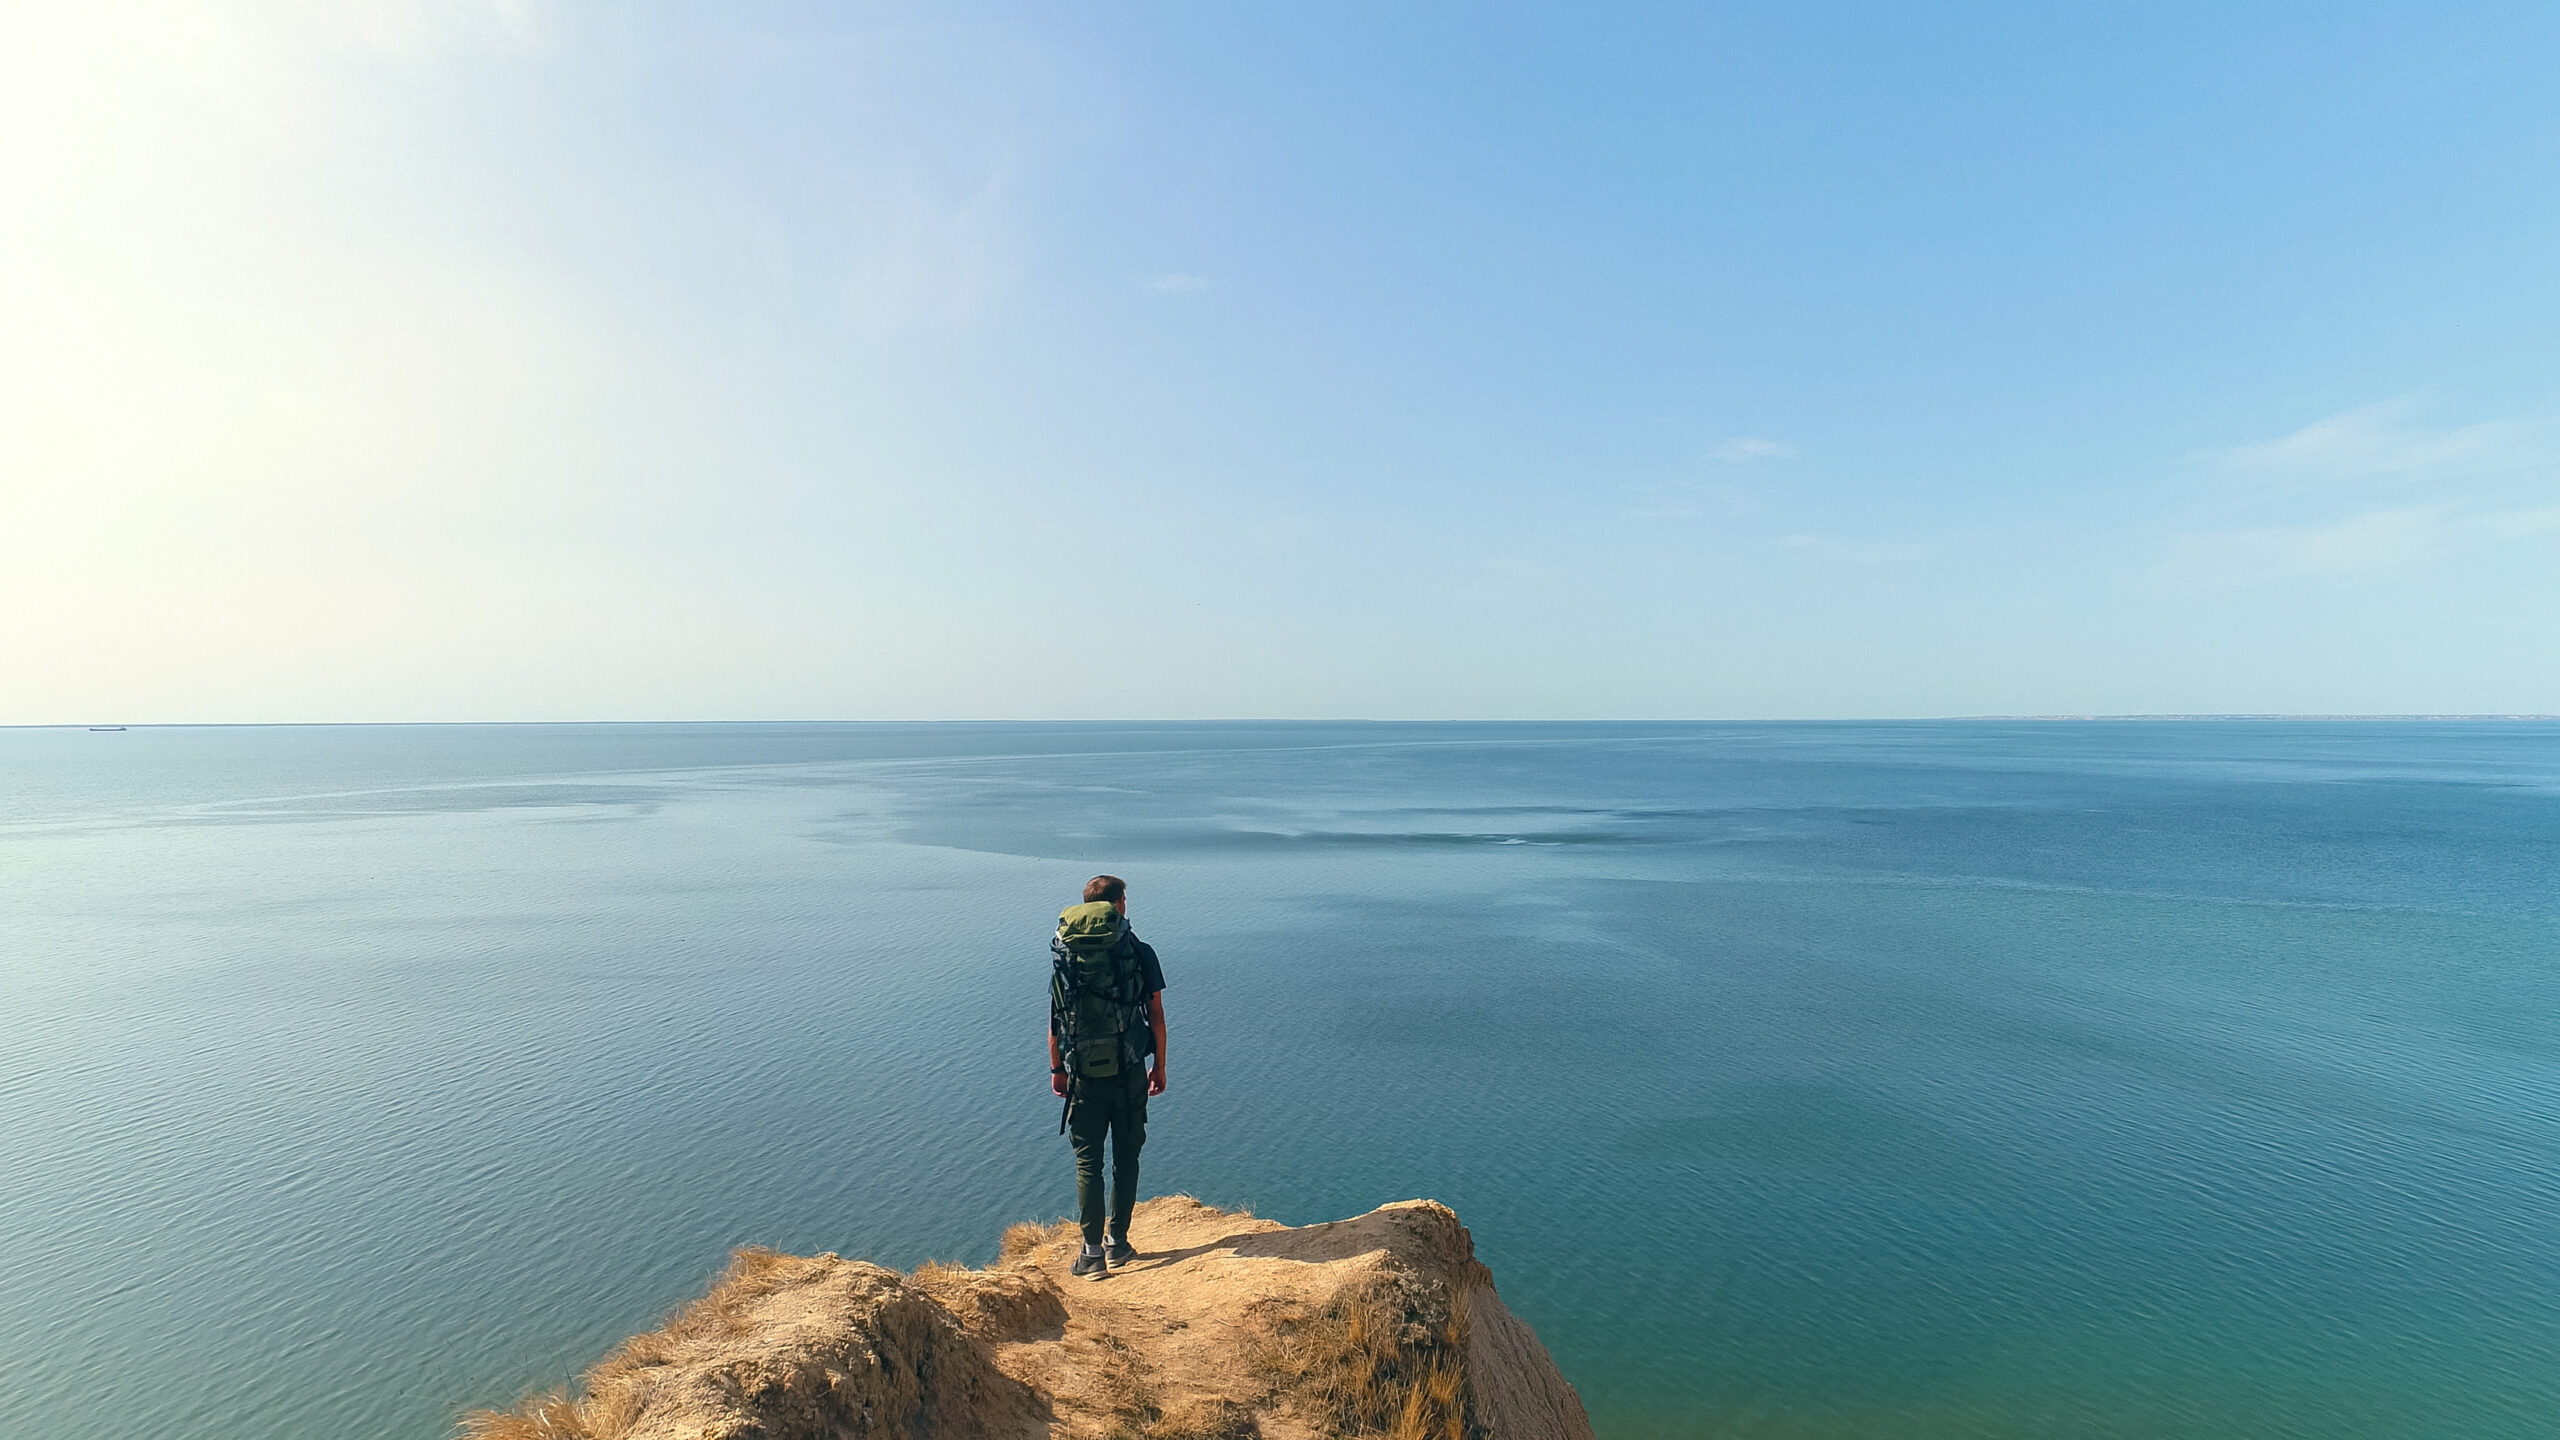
(2333, 717)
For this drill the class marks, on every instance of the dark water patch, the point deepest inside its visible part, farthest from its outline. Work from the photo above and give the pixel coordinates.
(629, 801)
(1762, 1122)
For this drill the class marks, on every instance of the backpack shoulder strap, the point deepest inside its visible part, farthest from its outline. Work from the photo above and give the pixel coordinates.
(1062, 986)
(1130, 968)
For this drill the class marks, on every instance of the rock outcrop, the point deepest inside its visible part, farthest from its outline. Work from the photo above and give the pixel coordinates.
(1227, 1327)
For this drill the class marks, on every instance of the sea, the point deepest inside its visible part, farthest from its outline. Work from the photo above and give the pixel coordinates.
(2001, 1080)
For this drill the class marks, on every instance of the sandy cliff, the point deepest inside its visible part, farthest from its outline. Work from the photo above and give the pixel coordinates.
(1229, 1327)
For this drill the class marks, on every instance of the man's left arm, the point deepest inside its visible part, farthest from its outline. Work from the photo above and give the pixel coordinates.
(1155, 1019)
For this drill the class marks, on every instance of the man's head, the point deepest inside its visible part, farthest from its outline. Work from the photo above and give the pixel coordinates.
(1108, 887)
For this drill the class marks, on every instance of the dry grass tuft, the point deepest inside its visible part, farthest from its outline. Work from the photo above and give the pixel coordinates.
(1014, 1302)
(1136, 1409)
(540, 1417)
(1127, 1394)
(1379, 1360)
(1025, 1237)
(1022, 1238)
(612, 1394)
(1213, 1419)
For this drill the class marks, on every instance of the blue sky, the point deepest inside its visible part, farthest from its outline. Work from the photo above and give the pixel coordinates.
(531, 361)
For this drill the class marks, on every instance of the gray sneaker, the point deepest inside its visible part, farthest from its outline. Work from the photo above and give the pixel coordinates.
(1090, 1265)
(1120, 1251)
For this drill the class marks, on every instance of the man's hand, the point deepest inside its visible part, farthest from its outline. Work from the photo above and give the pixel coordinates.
(1057, 1082)
(1155, 1078)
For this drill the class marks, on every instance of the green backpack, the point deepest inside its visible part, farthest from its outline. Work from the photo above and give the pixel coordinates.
(1097, 992)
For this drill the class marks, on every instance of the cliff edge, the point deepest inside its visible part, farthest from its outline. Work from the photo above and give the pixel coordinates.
(1229, 1327)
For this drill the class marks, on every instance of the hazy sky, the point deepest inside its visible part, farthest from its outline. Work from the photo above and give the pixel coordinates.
(529, 361)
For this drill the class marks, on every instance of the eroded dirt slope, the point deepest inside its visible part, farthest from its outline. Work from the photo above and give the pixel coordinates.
(1228, 1326)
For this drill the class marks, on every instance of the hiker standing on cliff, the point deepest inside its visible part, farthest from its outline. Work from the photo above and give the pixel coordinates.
(1106, 1020)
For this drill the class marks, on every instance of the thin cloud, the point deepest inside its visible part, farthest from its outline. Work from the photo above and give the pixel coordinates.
(1744, 449)
(1179, 283)
(2431, 494)
(1691, 500)
(2378, 545)
(1858, 552)
(2381, 443)
(1515, 569)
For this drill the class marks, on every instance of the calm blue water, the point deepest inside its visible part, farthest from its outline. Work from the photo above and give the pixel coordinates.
(1982, 1080)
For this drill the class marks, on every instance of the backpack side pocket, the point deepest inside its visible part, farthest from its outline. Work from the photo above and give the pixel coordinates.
(1098, 1058)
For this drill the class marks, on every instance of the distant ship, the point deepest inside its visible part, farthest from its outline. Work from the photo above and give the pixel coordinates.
(106, 727)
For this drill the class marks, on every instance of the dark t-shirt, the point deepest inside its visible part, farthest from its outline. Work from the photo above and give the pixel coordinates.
(1153, 983)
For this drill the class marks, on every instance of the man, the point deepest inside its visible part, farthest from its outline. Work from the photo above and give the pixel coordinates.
(1106, 1021)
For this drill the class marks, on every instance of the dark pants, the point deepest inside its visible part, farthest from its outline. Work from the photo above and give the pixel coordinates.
(1115, 1109)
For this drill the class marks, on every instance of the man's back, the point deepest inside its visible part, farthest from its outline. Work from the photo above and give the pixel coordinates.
(1106, 1058)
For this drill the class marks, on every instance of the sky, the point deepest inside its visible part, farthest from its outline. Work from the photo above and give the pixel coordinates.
(375, 360)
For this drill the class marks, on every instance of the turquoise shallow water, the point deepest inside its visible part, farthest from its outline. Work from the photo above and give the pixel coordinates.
(1981, 1080)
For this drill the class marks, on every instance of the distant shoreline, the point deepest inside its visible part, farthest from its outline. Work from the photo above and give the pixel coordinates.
(2266, 717)
(2341, 718)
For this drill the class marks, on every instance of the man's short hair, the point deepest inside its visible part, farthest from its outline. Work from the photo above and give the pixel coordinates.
(1105, 887)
